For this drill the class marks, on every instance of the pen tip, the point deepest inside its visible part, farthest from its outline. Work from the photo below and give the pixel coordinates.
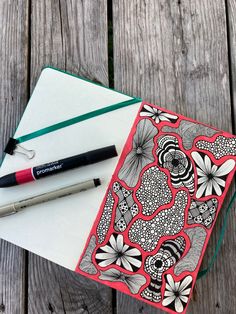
(97, 182)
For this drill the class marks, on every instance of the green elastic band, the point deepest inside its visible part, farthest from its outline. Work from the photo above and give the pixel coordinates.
(77, 119)
(222, 232)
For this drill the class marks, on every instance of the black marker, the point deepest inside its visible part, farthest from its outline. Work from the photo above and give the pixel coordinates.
(55, 167)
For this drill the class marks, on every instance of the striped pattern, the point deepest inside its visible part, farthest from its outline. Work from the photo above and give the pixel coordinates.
(189, 262)
(171, 157)
(168, 255)
(153, 291)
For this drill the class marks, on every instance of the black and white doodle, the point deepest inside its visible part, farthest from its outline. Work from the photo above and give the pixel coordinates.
(126, 209)
(202, 212)
(157, 115)
(211, 178)
(167, 256)
(118, 253)
(154, 190)
(133, 282)
(140, 154)
(189, 131)
(171, 157)
(86, 264)
(189, 262)
(177, 293)
(222, 146)
(105, 220)
(167, 222)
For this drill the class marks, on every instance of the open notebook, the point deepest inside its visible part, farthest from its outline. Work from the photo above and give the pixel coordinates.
(145, 230)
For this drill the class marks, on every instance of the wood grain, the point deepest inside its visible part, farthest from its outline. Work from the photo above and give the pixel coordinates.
(70, 35)
(13, 65)
(174, 53)
(12, 278)
(54, 289)
(231, 7)
(13, 98)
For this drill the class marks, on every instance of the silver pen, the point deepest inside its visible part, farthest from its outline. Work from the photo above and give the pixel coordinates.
(13, 208)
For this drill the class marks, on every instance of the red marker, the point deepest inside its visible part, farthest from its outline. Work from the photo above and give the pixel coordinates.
(55, 167)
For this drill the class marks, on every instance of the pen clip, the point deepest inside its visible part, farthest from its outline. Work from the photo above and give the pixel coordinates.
(14, 147)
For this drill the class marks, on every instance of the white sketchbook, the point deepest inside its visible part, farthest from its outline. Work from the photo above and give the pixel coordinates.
(58, 230)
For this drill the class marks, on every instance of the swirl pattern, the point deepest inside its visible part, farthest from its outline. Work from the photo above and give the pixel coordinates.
(171, 157)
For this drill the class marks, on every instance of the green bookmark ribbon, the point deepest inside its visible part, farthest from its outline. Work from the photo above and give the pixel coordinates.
(203, 272)
(77, 119)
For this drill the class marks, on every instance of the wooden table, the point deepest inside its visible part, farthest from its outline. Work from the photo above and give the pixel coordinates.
(180, 54)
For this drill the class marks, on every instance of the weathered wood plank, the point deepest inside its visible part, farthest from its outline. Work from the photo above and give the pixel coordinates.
(70, 35)
(13, 65)
(174, 53)
(54, 289)
(231, 6)
(12, 278)
(13, 97)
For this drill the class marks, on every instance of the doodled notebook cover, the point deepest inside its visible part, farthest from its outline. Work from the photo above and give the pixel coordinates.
(160, 207)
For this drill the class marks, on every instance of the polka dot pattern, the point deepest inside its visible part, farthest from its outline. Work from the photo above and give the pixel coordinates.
(105, 220)
(154, 190)
(167, 222)
(221, 147)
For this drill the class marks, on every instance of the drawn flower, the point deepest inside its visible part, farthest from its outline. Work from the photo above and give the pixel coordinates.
(177, 293)
(134, 282)
(157, 115)
(211, 178)
(171, 157)
(141, 153)
(119, 253)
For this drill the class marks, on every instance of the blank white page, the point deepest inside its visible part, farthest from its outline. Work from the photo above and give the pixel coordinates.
(58, 230)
